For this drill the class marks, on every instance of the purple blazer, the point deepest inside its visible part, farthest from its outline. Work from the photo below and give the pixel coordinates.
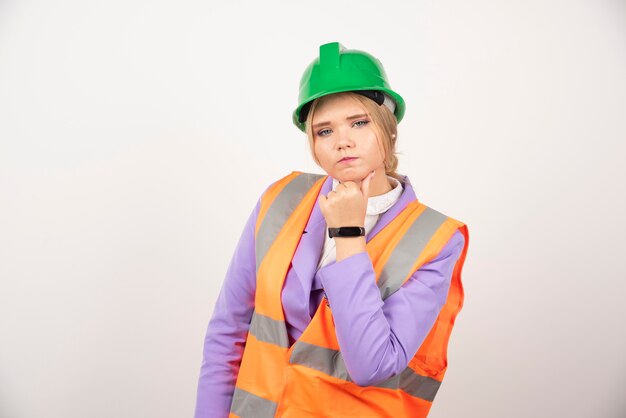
(376, 339)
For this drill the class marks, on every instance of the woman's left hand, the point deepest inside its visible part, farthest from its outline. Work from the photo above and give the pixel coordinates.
(346, 205)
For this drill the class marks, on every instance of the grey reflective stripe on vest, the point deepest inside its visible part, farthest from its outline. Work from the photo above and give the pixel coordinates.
(280, 210)
(404, 254)
(414, 384)
(248, 405)
(328, 361)
(269, 330)
(320, 358)
(331, 362)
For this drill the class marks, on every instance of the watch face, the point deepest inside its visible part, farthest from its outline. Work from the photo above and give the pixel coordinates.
(349, 231)
(346, 231)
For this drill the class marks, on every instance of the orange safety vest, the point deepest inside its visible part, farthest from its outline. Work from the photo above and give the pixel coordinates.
(309, 379)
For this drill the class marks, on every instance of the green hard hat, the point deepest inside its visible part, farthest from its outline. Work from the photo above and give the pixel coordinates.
(339, 69)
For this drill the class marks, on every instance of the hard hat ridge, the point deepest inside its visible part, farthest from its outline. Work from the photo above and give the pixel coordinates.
(329, 60)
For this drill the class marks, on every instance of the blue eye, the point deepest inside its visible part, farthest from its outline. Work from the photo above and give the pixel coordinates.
(321, 133)
(364, 122)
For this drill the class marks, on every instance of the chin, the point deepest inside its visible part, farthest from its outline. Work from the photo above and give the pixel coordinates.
(349, 177)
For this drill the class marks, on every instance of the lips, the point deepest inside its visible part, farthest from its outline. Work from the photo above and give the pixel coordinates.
(347, 159)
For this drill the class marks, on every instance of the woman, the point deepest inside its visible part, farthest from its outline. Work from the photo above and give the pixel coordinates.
(343, 289)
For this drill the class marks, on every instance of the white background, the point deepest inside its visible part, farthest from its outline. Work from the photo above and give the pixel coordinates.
(136, 137)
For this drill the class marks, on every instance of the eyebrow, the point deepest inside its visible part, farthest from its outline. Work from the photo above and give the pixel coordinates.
(348, 118)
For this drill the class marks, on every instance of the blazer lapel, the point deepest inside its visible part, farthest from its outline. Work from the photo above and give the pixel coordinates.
(309, 249)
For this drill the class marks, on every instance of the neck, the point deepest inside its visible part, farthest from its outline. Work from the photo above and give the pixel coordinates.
(382, 189)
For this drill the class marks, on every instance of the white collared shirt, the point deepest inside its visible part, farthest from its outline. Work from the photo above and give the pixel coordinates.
(376, 205)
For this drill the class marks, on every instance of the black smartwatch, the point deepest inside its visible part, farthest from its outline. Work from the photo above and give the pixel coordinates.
(346, 231)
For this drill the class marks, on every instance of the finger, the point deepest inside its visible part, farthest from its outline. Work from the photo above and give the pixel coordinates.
(345, 185)
(321, 201)
(365, 184)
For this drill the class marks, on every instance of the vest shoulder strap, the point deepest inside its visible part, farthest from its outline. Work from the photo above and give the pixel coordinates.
(424, 237)
(277, 204)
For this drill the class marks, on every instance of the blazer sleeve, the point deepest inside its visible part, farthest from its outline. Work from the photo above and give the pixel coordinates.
(228, 328)
(375, 337)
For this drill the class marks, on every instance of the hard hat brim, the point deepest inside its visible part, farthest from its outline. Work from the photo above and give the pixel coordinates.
(399, 111)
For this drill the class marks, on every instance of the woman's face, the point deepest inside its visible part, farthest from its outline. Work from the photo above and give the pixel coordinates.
(342, 128)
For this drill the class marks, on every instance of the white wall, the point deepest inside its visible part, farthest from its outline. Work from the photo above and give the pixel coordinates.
(136, 136)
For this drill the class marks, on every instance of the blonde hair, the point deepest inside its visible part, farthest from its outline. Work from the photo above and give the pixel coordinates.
(384, 123)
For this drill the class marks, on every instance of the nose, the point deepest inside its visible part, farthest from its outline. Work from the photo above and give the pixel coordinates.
(344, 140)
